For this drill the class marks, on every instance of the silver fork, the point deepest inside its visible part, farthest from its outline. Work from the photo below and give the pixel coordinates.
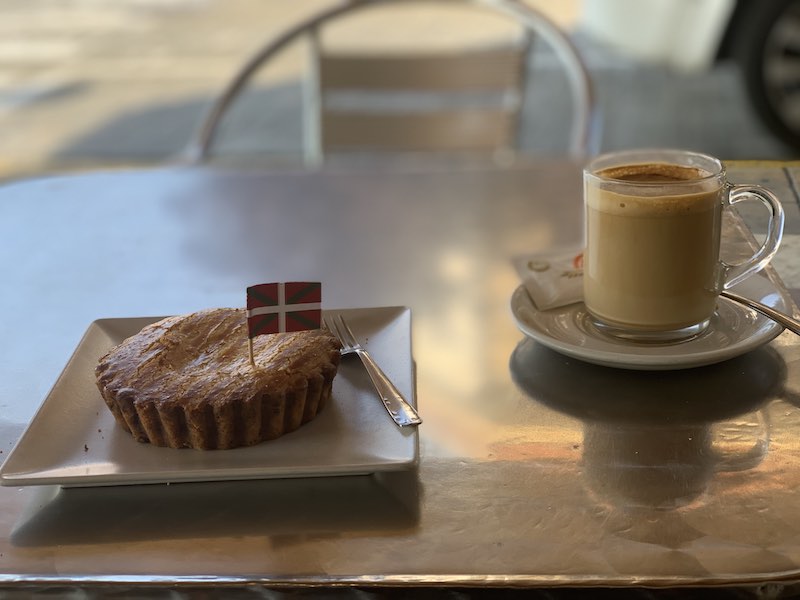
(397, 407)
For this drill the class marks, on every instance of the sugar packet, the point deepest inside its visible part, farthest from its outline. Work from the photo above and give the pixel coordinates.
(554, 279)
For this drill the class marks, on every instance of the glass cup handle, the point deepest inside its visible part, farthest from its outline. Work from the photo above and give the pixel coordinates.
(734, 273)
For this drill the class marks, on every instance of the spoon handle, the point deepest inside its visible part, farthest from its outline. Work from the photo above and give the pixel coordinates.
(785, 320)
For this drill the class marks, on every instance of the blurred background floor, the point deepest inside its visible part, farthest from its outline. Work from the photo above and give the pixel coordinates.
(95, 83)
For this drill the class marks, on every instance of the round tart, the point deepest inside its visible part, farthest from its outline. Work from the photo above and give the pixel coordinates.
(187, 381)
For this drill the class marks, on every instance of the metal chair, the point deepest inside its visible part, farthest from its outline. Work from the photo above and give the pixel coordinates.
(468, 101)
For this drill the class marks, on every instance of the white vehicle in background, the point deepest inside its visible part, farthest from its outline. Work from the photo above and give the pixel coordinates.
(762, 36)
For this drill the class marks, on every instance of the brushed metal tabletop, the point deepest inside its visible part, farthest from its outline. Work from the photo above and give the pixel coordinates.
(535, 469)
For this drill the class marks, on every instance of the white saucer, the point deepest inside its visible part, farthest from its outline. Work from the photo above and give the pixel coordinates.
(734, 330)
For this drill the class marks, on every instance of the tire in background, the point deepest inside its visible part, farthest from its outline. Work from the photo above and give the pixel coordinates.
(765, 41)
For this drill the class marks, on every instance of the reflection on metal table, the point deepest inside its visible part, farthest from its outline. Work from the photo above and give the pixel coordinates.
(535, 469)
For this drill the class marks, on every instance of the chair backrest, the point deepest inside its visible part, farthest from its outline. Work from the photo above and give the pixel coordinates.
(451, 100)
(464, 102)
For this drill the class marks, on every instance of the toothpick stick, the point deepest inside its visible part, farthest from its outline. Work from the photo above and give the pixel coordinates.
(250, 347)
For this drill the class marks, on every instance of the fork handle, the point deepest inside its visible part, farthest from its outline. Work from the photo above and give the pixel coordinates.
(401, 411)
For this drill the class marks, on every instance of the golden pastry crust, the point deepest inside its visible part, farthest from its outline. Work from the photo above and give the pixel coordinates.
(187, 381)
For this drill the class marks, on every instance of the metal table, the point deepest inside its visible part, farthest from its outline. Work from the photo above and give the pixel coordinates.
(528, 473)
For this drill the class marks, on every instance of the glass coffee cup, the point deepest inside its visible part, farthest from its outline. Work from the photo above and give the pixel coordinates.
(652, 265)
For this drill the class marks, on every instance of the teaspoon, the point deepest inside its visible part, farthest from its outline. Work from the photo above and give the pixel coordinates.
(788, 322)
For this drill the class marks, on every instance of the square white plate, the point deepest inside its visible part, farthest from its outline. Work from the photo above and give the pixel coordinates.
(73, 439)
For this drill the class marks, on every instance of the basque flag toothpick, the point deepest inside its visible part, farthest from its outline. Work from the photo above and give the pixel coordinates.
(282, 307)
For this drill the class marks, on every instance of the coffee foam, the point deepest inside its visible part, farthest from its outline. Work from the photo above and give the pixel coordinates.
(653, 205)
(654, 173)
(653, 189)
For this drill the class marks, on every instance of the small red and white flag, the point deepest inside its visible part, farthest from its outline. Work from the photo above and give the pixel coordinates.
(281, 307)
